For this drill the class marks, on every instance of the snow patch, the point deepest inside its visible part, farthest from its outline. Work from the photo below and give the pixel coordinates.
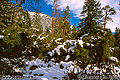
(67, 57)
(113, 59)
(1, 36)
(58, 49)
(48, 73)
(58, 40)
(81, 42)
(50, 53)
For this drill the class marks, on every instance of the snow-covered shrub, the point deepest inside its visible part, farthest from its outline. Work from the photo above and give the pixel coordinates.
(70, 50)
(64, 51)
(15, 66)
(49, 70)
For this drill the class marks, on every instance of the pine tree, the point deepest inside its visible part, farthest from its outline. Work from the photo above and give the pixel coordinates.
(53, 17)
(66, 21)
(90, 24)
(108, 11)
(57, 13)
(14, 22)
(58, 20)
(91, 17)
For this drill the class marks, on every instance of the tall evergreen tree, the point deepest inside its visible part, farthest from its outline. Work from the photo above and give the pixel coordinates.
(90, 24)
(55, 14)
(66, 21)
(53, 17)
(108, 11)
(14, 21)
(91, 17)
(58, 20)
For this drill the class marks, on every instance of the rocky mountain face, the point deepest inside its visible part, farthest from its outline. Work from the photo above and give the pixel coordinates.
(46, 20)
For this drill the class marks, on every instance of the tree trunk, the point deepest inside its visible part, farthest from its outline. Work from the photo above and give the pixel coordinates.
(105, 23)
(53, 17)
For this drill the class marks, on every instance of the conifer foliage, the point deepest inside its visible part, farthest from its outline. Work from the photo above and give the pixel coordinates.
(108, 11)
(66, 21)
(90, 25)
(13, 22)
(91, 30)
(91, 14)
(15, 27)
(117, 43)
(23, 36)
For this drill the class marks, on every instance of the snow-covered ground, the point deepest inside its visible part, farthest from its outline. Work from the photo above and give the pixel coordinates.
(56, 71)
(40, 70)
(48, 71)
(51, 70)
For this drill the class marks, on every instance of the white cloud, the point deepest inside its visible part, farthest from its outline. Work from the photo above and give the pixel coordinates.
(76, 8)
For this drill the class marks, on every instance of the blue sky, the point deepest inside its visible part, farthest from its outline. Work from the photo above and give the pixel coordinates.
(32, 5)
(75, 7)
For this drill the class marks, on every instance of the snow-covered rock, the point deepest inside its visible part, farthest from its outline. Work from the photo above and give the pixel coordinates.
(113, 59)
(46, 20)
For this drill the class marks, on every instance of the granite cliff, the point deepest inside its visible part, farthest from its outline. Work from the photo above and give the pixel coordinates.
(46, 20)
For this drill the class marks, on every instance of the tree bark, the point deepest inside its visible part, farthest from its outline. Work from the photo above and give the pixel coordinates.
(53, 17)
(105, 23)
